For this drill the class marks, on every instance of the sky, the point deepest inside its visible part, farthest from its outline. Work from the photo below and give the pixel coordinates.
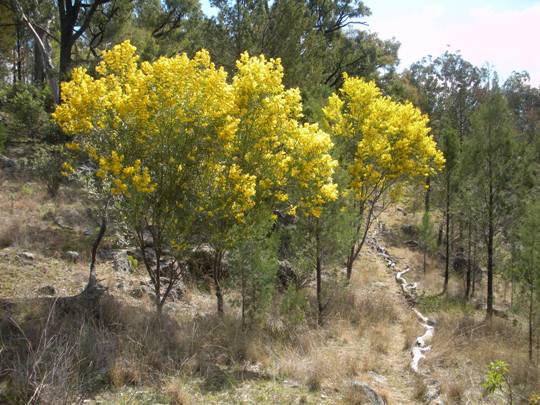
(503, 33)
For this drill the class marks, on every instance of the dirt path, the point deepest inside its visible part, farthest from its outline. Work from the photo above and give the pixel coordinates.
(405, 381)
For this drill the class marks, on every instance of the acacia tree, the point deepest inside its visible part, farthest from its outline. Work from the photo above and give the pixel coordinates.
(287, 163)
(187, 155)
(152, 131)
(381, 145)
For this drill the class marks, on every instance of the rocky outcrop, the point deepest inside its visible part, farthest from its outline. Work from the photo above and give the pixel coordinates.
(371, 395)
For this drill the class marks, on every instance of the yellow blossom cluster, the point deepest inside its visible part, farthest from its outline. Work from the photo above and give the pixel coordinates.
(391, 140)
(291, 161)
(178, 132)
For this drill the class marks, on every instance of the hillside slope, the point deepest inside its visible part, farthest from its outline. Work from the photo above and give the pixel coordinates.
(195, 357)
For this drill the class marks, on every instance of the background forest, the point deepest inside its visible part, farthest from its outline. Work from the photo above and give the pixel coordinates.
(203, 209)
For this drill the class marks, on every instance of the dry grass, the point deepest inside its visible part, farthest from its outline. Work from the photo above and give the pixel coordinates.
(380, 338)
(465, 345)
(355, 396)
(420, 389)
(454, 390)
(176, 393)
(33, 221)
(411, 330)
(368, 329)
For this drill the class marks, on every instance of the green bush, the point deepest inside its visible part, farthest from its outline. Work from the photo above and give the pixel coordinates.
(294, 306)
(47, 165)
(28, 108)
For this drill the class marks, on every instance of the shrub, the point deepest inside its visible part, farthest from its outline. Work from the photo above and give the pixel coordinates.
(28, 108)
(47, 164)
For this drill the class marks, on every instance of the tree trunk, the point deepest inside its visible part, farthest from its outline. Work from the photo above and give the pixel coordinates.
(512, 290)
(92, 284)
(490, 263)
(65, 59)
(350, 262)
(159, 301)
(474, 270)
(531, 298)
(440, 235)
(469, 264)
(19, 53)
(447, 226)
(39, 74)
(243, 273)
(217, 281)
(42, 40)
(427, 195)
(426, 212)
(319, 277)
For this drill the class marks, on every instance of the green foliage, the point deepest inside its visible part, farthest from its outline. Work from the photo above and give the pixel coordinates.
(47, 164)
(294, 306)
(133, 262)
(442, 303)
(527, 252)
(498, 379)
(255, 265)
(428, 235)
(28, 109)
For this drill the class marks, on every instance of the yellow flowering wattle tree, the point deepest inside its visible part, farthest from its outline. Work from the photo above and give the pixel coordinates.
(288, 163)
(186, 155)
(381, 145)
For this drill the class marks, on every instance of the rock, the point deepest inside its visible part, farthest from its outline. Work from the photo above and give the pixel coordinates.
(410, 230)
(138, 292)
(27, 256)
(177, 290)
(106, 254)
(411, 243)
(377, 377)
(433, 391)
(60, 222)
(373, 397)
(46, 290)
(72, 256)
(121, 262)
(201, 260)
(7, 163)
(286, 275)
(148, 239)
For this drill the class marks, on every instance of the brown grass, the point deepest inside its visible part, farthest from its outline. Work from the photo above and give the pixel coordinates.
(466, 344)
(454, 390)
(176, 393)
(419, 389)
